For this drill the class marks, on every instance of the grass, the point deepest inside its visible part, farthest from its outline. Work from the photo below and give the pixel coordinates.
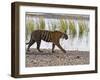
(83, 29)
(72, 29)
(29, 28)
(63, 25)
(59, 24)
(42, 23)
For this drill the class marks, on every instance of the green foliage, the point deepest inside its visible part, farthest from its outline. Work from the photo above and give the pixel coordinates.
(37, 26)
(83, 29)
(60, 24)
(42, 23)
(63, 25)
(29, 28)
(72, 29)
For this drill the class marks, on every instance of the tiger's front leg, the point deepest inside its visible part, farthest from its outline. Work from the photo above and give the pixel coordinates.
(61, 48)
(38, 46)
(53, 46)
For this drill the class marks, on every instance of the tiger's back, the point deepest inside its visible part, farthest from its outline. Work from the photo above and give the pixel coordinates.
(48, 36)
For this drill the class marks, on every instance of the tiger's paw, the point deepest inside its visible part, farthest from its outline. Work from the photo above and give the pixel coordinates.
(40, 51)
(53, 51)
(64, 51)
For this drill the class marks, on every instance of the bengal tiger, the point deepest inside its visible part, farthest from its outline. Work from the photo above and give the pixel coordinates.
(48, 36)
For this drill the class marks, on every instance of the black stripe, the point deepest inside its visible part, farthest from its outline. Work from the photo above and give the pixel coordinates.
(47, 34)
(44, 35)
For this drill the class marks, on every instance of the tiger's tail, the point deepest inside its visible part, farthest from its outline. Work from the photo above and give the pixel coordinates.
(28, 42)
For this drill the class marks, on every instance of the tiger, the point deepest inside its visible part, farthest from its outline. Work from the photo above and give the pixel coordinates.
(47, 36)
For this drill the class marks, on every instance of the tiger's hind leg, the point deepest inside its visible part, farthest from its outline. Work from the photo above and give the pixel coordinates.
(30, 44)
(38, 46)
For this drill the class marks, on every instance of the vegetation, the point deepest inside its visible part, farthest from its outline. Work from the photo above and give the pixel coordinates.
(63, 25)
(83, 27)
(29, 28)
(60, 24)
(72, 29)
(41, 23)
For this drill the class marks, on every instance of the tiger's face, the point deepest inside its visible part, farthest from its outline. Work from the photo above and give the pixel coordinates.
(65, 36)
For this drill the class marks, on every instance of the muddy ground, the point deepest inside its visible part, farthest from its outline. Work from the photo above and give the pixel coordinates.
(58, 58)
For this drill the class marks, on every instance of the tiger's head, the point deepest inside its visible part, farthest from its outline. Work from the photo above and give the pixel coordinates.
(65, 36)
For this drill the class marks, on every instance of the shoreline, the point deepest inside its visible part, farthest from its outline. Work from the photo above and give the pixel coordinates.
(58, 58)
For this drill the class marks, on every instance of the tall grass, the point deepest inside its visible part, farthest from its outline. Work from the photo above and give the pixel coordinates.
(83, 29)
(63, 25)
(41, 23)
(58, 24)
(29, 28)
(72, 29)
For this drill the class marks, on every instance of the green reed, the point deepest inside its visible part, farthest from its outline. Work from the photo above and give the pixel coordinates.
(63, 25)
(29, 28)
(72, 29)
(83, 29)
(41, 23)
